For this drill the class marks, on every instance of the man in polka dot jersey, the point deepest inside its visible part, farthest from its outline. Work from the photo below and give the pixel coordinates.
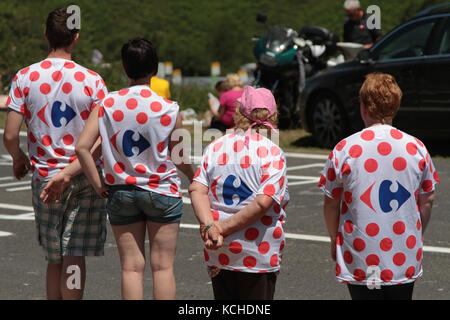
(55, 97)
(239, 195)
(379, 188)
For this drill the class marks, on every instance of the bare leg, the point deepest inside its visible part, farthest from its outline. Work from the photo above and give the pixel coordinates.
(163, 243)
(73, 278)
(130, 242)
(53, 281)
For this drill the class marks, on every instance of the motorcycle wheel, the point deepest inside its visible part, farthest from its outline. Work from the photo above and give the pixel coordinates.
(328, 121)
(288, 114)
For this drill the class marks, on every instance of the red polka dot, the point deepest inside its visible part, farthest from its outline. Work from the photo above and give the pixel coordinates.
(410, 272)
(264, 247)
(262, 152)
(322, 181)
(419, 142)
(45, 88)
(52, 162)
(174, 188)
(419, 254)
(418, 224)
(399, 259)
(359, 275)
(140, 169)
(338, 269)
(141, 118)
(399, 227)
(101, 112)
(331, 174)
(396, 134)
(100, 94)
(168, 101)
(217, 146)
(422, 165)
(222, 159)
(24, 71)
(131, 103)
(427, 186)
(344, 208)
(66, 87)
(238, 146)
(162, 168)
(341, 145)
(46, 140)
(118, 115)
(59, 152)
(336, 193)
(282, 244)
(249, 262)
(145, 93)
(215, 215)
(367, 135)
(72, 159)
(348, 226)
(275, 151)
(269, 190)
(348, 197)
(130, 180)
(46, 64)
(84, 114)
(372, 260)
(245, 162)
(119, 167)
(156, 106)
(436, 177)
(274, 260)
(371, 165)
(160, 146)
(223, 259)
(346, 169)
(355, 151)
(411, 148)
(40, 152)
(92, 72)
(235, 247)
(359, 244)
(384, 148)
(79, 76)
(88, 91)
(69, 65)
(197, 173)
(386, 244)
(278, 164)
(34, 76)
(43, 172)
(372, 229)
(68, 139)
(123, 92)
(251, 234)
(205, 253)
(386, 275)
(277, 233)
(339, 239)
(348, 258)
(399, 164)
(109, 178)
(166, 120)
(153, 181)
(411, 242)
(266, 220)
(108, 103)
(256, 137)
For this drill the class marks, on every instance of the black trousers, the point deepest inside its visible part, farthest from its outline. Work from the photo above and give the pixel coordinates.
(393, 292)
(232, 285)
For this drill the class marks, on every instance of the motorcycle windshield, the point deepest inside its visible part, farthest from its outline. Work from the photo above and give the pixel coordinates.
(279, 39)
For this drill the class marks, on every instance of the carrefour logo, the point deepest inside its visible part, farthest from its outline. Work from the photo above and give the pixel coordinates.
(385, 196)
(59, 111)
(129, 144)
(230, 191)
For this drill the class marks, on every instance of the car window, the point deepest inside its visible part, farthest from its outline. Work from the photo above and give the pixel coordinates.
(408, 42)
(444, 48)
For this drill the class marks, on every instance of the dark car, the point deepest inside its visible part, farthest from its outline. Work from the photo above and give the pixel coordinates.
(416, 53)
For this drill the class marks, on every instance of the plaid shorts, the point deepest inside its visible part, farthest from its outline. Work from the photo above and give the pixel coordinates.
(76, 226)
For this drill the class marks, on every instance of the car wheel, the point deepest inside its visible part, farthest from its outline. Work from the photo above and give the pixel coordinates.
(328, 123)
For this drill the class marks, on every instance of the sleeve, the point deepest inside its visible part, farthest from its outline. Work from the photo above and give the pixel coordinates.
(273, 178)
(331, 181)
(102, 91)
(430, 176)
(16, 98)
(201, 175)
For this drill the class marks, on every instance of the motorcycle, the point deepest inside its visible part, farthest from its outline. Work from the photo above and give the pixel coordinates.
(285, 58)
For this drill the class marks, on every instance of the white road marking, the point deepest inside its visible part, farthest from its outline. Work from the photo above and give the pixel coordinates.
(21, 133)
(15, 207)
(5, 234)
(18, 189)
(301, 155)
(20, 217)
(14, 184)
(298, 183)
(306, 166)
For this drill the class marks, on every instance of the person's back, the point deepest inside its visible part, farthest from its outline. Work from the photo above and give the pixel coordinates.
(56, 96)
(137, 122)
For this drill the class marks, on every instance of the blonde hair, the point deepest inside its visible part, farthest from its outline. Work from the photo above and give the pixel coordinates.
(243, 123)
(233, 80)
(381, 96)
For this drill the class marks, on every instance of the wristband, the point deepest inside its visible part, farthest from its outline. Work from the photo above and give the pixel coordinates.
(209, 226)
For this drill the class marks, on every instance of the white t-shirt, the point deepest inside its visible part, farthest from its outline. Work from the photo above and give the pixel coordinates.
(235, 175)
(135, 125)
(379, 173)
(56, 96)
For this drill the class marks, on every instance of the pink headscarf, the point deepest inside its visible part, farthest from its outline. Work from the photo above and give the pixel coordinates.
(252, 99)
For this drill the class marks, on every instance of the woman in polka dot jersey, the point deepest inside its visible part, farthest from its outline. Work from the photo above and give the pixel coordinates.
(141, 180)
(379, 189)
(239, 195)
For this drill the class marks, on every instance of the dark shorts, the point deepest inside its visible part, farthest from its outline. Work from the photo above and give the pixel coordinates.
(232, 285)
(392, 292)
(130, 204)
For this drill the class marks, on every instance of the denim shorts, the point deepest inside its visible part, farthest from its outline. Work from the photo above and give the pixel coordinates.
(129, 204)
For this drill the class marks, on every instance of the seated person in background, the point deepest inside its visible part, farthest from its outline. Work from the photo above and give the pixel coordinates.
(355, 27)
(224, 119)
(214, 103)
(160, 86)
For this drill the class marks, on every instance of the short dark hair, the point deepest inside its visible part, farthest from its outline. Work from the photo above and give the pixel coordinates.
(139, 58)
(58, 34)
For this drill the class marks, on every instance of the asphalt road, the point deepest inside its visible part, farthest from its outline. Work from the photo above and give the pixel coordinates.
(307, 269)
